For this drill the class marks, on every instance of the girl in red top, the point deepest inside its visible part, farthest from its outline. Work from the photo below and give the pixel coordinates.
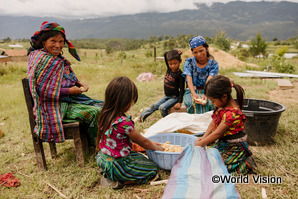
(227, 125)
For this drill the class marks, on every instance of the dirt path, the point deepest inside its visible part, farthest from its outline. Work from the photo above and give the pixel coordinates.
(224, 59)
(287, 97)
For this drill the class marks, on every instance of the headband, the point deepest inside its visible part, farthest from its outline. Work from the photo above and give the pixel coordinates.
(46, 26)
(196, 42)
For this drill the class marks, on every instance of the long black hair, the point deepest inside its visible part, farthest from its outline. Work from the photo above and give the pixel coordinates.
(120, 94)
(219, 85)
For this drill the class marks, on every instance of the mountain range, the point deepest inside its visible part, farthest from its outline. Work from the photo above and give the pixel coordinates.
(240, 20)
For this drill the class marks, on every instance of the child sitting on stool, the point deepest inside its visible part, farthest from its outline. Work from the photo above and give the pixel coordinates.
(173, 86)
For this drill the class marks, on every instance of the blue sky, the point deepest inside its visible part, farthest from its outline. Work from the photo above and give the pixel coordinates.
(97, 8)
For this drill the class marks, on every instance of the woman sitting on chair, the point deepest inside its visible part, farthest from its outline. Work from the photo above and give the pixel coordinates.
(55, 89)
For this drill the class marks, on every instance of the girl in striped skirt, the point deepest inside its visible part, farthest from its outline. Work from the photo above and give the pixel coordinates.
(227, 125)
(118, 163)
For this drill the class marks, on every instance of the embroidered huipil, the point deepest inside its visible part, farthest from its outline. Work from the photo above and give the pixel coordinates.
(115, 141)
(231, 116)
(199, 75)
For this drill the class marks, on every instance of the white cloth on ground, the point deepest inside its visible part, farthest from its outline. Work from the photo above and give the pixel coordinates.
(195, 123)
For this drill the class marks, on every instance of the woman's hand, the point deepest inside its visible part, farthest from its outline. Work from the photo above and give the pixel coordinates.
(201, 100)
(75, 90)
(204, 101)
(177, 106)
(196, 98)
(83, 87)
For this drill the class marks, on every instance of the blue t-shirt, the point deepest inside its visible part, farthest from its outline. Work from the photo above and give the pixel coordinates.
(199, 75)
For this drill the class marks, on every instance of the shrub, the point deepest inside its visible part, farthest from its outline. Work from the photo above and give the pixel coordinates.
(280, 65)
(296, 44)
(241, 53)
(277, 63)
(221, 41)
(281, 51)
(124, 55)
(148, 54)
(258, 46)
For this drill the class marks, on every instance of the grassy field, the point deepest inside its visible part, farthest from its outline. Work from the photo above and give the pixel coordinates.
(97, 69)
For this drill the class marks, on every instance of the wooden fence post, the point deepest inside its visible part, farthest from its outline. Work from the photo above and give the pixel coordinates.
(121, 56)
(154, 53)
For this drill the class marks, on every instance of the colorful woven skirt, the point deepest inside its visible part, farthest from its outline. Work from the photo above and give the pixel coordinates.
(134, 167)
(234, 155)
(192, 107)
(85, 114)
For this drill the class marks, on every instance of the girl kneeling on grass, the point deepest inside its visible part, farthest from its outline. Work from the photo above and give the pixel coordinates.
(116, 132)
(227, 125)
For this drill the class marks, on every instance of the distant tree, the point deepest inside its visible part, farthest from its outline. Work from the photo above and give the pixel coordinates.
(258, 46)
(276, 43)
(294, 41)
(165, 45)
(109, 50)
(153, 39)
(208, 40)
(114, 45)
(182, 40)
(274, 39)
(124, 55)
(171, 43)
(7, 40)
(222, 41)
(148, 54)
(296, 44)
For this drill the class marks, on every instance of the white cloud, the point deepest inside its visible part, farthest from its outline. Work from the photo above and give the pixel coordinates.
(95, 8)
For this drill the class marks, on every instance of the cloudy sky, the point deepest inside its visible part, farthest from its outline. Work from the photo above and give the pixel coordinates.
(96, 8)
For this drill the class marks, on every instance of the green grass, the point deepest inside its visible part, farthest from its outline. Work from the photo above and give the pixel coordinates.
(18, 157)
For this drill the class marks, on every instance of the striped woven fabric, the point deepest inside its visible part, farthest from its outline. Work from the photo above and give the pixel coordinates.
(234, 155)
(134, 167)
(194, 108)
(191, 176)
(87, 115)
(45, 74)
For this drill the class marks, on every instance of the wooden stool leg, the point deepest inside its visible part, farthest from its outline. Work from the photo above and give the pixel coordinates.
(39, 153)
(85, 144)
(53, 149)
(79, 147)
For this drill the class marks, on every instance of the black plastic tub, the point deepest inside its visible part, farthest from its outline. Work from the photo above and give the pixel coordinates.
(262, 118)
